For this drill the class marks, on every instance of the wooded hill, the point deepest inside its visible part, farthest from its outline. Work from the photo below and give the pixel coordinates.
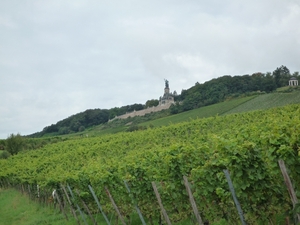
(211, 92)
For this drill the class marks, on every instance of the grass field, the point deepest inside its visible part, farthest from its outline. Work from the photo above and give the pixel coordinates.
(16, 209)
(267, 101)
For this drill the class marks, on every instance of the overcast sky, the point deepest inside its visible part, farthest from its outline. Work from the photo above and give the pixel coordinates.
(59, 58)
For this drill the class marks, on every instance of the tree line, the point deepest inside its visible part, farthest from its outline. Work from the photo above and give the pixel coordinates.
(91, 117)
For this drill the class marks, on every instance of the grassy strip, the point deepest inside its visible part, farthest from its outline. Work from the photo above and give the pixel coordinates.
(18, 209)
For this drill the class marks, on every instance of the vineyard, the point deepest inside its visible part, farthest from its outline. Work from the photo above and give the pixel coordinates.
(248, 145)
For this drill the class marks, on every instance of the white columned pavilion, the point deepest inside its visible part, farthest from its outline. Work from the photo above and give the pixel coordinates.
(293, 82)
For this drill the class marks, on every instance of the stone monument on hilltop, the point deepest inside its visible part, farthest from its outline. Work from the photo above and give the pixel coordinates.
(168, 97)
(164, 103)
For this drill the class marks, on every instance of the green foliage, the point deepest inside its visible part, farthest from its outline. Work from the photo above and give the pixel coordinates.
(2, 144)
(4, 154)
(18, 209)
(267, 101)
(63, 130)
(136, 128)
(151, 103)
(281, 76)
(14, 143)
(245, 103)
(217, 90)
(288, 89)
(248, 145)
(89, 118)
(81, 128)
(206, 111)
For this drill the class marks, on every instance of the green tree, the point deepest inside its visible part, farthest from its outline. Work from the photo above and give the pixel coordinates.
(4, 154)
(64, 130)
(152, 102)
(81, 128)
(175, 108)
(281, 76)
(296, 75)
(268, 83)
(14, 143)
(2, 144)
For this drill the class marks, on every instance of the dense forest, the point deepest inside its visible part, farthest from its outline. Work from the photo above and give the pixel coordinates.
(210, 92)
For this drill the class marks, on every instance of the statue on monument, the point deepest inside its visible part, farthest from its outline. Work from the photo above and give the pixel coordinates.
(167, 83)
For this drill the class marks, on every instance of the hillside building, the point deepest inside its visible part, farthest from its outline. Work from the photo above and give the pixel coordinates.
(293, 81)
(164, 103)
(168, 97)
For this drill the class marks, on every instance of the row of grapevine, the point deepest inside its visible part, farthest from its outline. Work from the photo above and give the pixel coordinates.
(248, 145)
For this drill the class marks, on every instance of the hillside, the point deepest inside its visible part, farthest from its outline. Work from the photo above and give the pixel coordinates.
(247, 144)
(267, 101)
(253, 102)
(247, 135)
(256, 101)
(211, 92)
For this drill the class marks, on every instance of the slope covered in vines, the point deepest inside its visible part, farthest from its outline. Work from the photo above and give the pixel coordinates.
(248, 145)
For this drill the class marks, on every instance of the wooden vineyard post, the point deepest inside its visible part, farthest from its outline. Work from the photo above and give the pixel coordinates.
(43, 196)
(98, 203)
(8, 183)
(86, 208)
(237, 204)
(46, 199)
(38, 193)
(70, 203)
(5, 183)
(78, 208)
(115, 206)
(135, 205)
(29, 192)
(160, 204)
(22, 189)
(192, 200)
(60, 205)
(289, 185)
